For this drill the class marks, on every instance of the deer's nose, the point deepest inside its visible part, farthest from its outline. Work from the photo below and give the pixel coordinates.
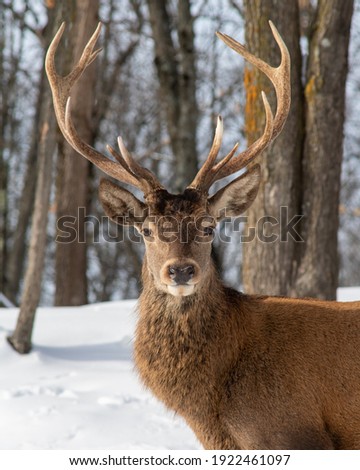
(181, 274)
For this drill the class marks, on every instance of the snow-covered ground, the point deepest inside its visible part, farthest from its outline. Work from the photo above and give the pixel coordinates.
(78, 388)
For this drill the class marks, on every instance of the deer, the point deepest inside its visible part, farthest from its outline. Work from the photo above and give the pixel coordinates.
(244, 371)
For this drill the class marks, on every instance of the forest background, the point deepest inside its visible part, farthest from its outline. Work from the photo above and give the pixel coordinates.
(160, 82)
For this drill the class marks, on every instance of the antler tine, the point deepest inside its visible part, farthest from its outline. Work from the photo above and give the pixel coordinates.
(146, 175)
(111, 168)
(121, 160)
(247, 156)
(201, 176)
(116, 155)
(280, 78)
(87, 57)
(61, 88)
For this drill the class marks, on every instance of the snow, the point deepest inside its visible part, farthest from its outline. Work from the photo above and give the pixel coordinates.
(78, 388)
(348, 294)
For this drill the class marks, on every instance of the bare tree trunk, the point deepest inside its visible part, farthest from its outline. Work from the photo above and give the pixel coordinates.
(3, 202)
(268, 260)
(323, 150)
(3, 222)
(21, 337)
(177, 79)
(73, 177)
(10, 65)
(302, 169)
(16, 256)
(4, 108)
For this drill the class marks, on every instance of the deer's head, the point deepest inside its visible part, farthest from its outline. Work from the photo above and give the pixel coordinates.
(177, 229)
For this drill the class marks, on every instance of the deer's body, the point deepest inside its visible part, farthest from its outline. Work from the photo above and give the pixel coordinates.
(251, 372)
(245, 372)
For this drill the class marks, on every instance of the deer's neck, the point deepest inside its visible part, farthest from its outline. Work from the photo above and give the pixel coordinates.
(184, 346)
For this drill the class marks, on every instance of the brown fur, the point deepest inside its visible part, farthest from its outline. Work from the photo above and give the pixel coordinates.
(246, 372)
(251, 372)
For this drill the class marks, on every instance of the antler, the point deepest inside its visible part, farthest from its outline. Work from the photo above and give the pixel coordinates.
(280, 78)
(125, 169)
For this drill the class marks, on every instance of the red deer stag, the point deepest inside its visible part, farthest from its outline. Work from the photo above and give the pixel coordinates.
(246, 372)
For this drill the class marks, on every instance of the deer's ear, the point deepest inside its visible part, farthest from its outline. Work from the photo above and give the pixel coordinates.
(120, 205)
(237, 196)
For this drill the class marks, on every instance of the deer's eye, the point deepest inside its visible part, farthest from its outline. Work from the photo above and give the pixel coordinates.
(209, 231)
(147, 232)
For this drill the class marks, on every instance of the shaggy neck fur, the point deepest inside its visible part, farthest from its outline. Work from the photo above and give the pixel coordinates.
(185, 346)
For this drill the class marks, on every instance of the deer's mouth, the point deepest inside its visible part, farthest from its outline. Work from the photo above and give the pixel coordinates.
(181, 290)
(179, 276)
